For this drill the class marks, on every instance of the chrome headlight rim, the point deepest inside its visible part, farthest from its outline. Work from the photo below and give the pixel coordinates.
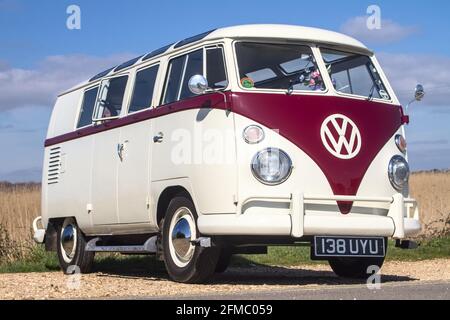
(394, 160)
(271, 183)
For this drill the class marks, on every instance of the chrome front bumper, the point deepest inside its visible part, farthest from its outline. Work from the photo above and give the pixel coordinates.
(401, 221)
(39, 233)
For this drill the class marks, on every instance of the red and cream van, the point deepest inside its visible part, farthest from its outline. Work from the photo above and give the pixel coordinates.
(225, 143)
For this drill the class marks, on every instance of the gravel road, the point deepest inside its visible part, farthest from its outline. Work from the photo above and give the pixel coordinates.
(414, 290)
(235, 282)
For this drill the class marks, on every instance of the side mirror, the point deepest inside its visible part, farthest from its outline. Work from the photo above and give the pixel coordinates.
(419, 93)
(198, 84)
(418, 96)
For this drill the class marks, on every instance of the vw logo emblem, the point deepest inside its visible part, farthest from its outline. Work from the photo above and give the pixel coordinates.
(341, 136)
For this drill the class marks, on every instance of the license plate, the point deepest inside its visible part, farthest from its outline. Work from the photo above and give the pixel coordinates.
(326, 247)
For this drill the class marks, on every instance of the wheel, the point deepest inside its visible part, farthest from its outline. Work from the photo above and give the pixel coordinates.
(71, 248)
(185, 262)
(355, 268)
(224, 260)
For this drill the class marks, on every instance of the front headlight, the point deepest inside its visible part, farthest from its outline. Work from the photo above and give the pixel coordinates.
(398, 172)
(271, 166)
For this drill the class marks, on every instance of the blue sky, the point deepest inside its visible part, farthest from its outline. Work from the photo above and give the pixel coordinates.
(39, 57)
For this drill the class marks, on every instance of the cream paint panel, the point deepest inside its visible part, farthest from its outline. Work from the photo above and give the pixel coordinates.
(191, 139)
(65, 114)
(134, 174)
(104, 178)
(376, 180)
(70, 196)
(306, 176)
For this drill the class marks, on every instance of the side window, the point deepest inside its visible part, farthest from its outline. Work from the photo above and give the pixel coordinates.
(143, 89)
(215, 68)
(173, 81)
(87, 108)
(111, 98)
(181, 69)
(194, 65)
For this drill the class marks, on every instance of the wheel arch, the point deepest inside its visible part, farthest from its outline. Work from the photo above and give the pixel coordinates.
(166, 196)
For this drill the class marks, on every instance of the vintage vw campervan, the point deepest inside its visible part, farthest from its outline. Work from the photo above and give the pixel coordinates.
(225, 143)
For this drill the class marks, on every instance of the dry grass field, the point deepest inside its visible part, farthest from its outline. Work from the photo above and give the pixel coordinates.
(432, 191)
(20, 204)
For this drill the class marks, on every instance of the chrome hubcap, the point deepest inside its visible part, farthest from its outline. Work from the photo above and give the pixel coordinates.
(68, 241)
(182, 232)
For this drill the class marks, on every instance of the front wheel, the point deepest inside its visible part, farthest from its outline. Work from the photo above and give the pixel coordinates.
(185, 261)
(356, 268)
(224, 260)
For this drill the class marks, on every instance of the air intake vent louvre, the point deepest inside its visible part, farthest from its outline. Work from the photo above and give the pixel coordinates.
(54, 165)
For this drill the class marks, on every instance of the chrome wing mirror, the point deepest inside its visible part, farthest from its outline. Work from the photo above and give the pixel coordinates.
(198, 84)
(418, 96)
(419, 93)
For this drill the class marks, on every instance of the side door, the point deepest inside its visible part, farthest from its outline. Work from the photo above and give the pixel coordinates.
(197, 140)
(106, 156)
(136, 142)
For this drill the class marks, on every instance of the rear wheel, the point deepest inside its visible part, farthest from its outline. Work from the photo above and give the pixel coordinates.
(185, 261)
(71, 248)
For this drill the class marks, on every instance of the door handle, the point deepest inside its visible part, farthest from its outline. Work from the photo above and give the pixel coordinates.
(158, 138)
(120, 148)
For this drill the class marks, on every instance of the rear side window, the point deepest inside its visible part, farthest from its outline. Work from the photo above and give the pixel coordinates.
(143, 89)
(87, 109)
(111, 98)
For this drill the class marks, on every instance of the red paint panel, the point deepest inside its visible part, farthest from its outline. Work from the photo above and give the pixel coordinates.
(299, 119)
(206, 101)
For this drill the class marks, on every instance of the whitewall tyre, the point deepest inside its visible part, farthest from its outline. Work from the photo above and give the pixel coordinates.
(71, 245)
(185, 261)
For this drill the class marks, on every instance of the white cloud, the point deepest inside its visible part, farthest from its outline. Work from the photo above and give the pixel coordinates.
(39, 86)
(390, 31)
(406, 70)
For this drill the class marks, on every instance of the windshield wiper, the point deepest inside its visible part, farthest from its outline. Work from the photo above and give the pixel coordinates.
(370, 97)
(376, 84)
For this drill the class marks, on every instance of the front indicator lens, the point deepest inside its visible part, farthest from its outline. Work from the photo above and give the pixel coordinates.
(399, 172)
(253, 134)
(271, 166)
(401, 143)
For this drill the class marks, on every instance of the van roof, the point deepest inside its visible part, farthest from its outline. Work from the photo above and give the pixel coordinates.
(263, 31)
(281, 31)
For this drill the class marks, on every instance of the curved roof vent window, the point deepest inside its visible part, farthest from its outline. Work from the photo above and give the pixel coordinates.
(157, 52)
(193, 39)
(127, 64)
(101, 74)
